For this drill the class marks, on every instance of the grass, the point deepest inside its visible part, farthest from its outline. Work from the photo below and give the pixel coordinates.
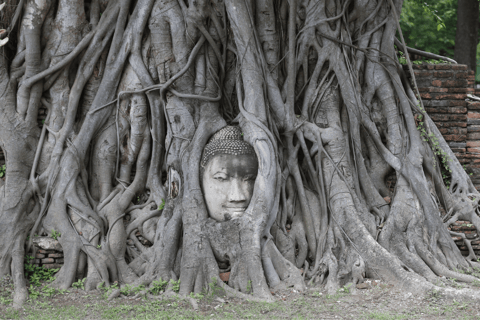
(376, 303)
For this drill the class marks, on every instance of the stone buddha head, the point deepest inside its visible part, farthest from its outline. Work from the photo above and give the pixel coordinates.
(228, 171)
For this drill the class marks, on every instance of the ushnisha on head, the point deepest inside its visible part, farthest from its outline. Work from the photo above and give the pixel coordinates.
(228, 171)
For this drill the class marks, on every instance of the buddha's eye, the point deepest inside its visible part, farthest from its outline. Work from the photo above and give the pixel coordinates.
(249, 177)
(220, 177)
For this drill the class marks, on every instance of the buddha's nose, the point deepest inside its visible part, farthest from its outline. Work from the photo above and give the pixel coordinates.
(236, 194)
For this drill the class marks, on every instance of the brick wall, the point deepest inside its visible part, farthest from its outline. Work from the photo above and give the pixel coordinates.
(49, 259)
(443, 89)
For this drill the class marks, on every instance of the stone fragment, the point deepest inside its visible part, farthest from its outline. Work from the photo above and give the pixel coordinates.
(47, 243)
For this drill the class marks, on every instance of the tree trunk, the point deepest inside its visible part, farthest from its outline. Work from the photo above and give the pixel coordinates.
(466, 36)
(136, 90)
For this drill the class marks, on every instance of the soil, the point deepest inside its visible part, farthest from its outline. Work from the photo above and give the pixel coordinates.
(378, 301)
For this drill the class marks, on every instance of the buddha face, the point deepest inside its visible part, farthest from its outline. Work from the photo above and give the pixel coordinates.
(228, 182)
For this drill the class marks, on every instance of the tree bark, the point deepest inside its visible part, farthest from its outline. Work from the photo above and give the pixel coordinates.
(466, 36)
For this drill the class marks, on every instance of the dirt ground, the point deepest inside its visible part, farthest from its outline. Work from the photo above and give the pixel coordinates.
(379, 301)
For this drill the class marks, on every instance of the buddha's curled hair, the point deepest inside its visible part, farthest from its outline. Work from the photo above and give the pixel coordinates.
(228, 140)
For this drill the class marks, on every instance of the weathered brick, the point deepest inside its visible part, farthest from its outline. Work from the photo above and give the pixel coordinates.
(473, 150)
(458, 103)
(460, 90)
(462, 124)
(48, 260)
(55, 255)
(473, 115)
(455, 137)
(444, 74)
(422, 73)
(473, 122)
(461, 75)
(472, 128)
(45, 251)
(39, 256)
(443, 66)
(59, 260)
(425, 95)
(473, 136)
(448, 117)
(458, 67)
(457, 110)
(457, 144)
(473, 105)
(473, 144)
(436, 103)
(225, 276)
(52, 266)
(453, 96)
(453, 83)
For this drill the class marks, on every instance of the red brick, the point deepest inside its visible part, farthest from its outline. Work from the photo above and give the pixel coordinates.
(425, 95)
(443, 74)
(459, 67)
(424, 89)
(45, 251)
(457, 110)
(55, 255)
(448, 117)
(473, 136)
(473, 150)
(224, 276)
(473, 143)
(437, 83)
(471, 72)
(432, 89)
(455, 137)
(454, 83)
(473, 115)
(474, 105)
(39, 256)
(458, 103)
(422, 73)
(457, 96)
(443, 66)
(461, 90)
(52, 266)
(461, 75)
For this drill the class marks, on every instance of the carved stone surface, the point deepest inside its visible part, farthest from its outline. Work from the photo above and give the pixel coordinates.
(229, 170)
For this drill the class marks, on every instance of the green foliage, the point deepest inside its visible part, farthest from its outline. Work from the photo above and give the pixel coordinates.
(435, 145)
(430, 25)
(249, 286)
(162, 205)
(36, 275)
(347, 288)
(175, 285)
(80, 284)
(3, 170)
(403, 60)
(55, 234)
(158, 286)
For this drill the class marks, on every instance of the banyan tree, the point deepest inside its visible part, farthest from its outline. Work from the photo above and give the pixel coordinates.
(250, 137)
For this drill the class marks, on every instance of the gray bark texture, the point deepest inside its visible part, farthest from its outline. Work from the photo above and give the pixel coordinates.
(135, 89)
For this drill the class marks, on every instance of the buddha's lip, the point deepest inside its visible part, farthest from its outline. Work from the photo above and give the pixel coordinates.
(237, 208)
